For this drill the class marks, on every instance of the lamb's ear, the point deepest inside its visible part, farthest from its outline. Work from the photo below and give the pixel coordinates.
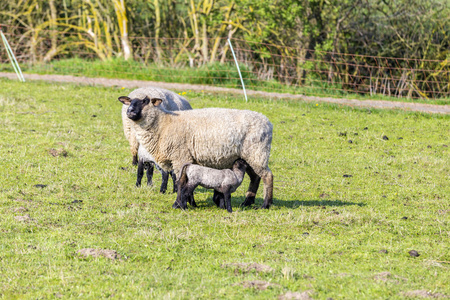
(125, 100)
(156, 101)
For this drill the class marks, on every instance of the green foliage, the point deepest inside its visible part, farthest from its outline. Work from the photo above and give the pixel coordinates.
(336, 236)
(345, 42)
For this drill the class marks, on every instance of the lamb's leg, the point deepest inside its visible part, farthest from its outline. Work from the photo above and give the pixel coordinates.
(176, 170)
(227, 199)
(150, 173)
(191, 200)
(180, 198)
(252, 188)
(186, 193)
(218, 199)
(174, 179)
(267, 178)
(140, 172)
(135, 160)
(165, 180)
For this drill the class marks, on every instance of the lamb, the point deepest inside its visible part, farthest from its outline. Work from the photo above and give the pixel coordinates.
(223, 182)
(210, 137)
(172, 101)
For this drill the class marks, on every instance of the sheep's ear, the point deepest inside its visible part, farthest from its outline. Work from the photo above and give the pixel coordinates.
(125, 100)
(156, 101)
(146, 100)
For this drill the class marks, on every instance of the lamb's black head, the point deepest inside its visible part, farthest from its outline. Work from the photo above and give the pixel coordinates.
(240, 164)
(134, 111)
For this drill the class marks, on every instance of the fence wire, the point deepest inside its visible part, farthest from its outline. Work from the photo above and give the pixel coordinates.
(264, 66)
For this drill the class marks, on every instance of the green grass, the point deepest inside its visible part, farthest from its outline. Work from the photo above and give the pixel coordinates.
(324, 232)
(218, 75)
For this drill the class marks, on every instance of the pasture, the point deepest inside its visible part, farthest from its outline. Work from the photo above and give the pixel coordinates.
(355, 191)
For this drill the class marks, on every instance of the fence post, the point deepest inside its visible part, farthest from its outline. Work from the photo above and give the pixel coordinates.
(12, 58)
(239, 71)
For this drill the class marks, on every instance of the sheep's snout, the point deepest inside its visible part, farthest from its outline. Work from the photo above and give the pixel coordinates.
(134, 112)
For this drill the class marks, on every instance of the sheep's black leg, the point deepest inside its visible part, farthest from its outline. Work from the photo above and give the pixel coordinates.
(218, 198)
(149, 173)
(165, 179)
(252, 188)
(135, 160)
(174, 179)
(140, 172)
(227, 199)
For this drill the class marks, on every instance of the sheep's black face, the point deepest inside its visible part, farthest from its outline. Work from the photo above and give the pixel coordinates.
(134, 111)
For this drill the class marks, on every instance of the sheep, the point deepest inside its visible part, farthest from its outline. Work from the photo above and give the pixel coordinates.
(210, 137)
(172, 101)
(224, 182)
(146, 162)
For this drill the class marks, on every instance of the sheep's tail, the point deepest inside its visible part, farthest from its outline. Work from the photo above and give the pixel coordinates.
(183, 177)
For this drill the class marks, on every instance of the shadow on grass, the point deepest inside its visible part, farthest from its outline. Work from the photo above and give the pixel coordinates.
(294, 204)
(297, 203)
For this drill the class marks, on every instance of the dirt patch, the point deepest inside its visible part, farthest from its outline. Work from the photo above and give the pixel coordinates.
(258, 284)
(424, 294)
(247, 267)
(296, 295)
(57, 152)
(430, 108)
(388, 277)
(87, 252)
(25, 218)
(20, 209)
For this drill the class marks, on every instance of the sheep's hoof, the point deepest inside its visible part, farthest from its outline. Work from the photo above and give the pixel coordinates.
(138, 184)
(176, 205)
(162, 191)
(248, 201)
(265, 206)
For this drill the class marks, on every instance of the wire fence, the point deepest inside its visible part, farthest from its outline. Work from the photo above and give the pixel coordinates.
(264, 66)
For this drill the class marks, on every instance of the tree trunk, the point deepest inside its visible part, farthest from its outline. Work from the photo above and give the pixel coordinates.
(53, 32)
(121, 13)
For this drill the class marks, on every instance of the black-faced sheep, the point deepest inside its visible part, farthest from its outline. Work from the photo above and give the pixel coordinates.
(211, 137)
(224, 181)
(172, 102)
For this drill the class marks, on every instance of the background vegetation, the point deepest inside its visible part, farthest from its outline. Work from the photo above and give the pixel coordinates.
(355, 191)
(393, 48)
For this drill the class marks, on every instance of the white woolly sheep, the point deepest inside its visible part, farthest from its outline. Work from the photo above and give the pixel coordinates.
(224, 181)
(211, 137)
(172, 101)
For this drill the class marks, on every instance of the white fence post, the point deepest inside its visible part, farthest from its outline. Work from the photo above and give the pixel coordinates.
(239, 71)
(12, 58)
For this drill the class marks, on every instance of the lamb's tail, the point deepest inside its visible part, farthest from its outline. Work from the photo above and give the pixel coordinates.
(183, 179)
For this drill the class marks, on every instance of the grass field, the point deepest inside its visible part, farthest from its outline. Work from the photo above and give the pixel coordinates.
(216, 75)
(354, 192)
